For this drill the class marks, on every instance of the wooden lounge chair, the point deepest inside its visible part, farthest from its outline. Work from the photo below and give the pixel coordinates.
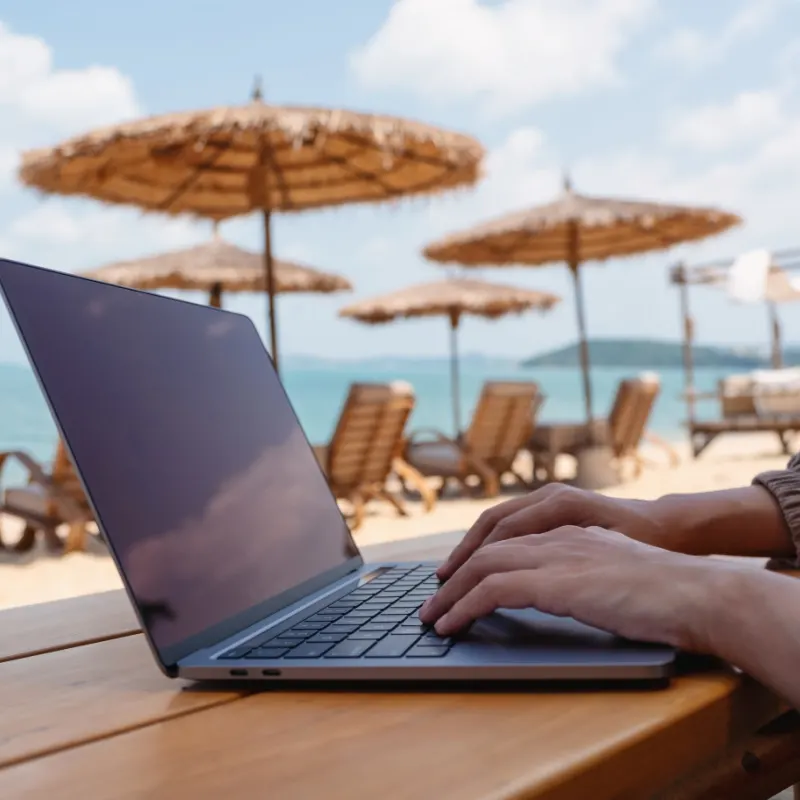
(47, 502)
(623, 431)
(366, 448)
(744, 411)
(502, 423)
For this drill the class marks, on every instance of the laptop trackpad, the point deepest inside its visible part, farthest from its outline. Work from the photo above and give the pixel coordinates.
(528, 627)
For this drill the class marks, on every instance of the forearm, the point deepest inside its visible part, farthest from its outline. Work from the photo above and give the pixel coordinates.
(752, 622)
(742, 522)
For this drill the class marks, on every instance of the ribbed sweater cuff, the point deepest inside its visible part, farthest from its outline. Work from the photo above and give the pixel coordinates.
(784, 486)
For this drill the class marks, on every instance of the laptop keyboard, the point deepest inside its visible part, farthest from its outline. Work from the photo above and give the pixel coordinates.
(377, 620)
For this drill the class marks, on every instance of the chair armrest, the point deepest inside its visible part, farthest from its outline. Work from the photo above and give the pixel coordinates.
(68, 509)
(436, 435)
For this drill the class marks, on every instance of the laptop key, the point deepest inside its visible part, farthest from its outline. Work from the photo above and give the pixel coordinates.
(393, 646)
(309, 626)
(428, 651)
(339, 627)
(238, 652)
(294, 633)
(363, 635)
(327, 637)
(269, 652)
(310, 650)
(324, 617)
(381, 627)
(350, 649)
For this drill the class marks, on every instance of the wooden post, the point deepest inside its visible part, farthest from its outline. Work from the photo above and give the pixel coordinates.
(269, 274)
(775, 325)
(455, 381)
(215, 295)
(583, 344)
(260, 198)
(688, 337)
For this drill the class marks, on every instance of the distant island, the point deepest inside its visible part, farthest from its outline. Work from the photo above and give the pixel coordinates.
(656, 354)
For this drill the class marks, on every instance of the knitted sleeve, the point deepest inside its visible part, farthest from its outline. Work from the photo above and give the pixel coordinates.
(784, 486)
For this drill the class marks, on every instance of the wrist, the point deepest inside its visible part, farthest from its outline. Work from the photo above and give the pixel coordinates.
(679, 522)
(741, 522)
(732, 612)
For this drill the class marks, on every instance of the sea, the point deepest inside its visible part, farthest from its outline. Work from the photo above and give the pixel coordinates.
(317, 392)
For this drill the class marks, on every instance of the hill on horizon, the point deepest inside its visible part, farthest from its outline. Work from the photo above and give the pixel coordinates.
(651, 354)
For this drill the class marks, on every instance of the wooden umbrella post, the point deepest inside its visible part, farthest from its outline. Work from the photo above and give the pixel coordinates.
(682, 276)
(215, 295)
(455, 381)
(574, 268)
(775, 325)
(269, 275)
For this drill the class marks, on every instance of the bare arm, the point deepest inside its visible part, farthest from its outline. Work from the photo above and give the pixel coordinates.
(754, 624)
(741, 522)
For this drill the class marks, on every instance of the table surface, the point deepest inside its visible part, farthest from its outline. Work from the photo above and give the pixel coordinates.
(87, 714)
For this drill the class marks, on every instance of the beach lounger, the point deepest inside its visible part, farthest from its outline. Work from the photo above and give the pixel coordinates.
(49, 500)
(366, 448)
(623, 431)
(766, 401)
(502, 423)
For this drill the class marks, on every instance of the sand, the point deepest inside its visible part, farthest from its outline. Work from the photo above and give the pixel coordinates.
(733, 461)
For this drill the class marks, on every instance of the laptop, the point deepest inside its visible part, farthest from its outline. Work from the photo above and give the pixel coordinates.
(231, 547)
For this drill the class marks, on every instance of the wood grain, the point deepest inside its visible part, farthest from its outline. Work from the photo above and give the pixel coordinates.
(44, 627)
(63, 698)
(501, 746)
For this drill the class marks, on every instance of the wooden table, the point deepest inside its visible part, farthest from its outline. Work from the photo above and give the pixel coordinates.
(86, 714)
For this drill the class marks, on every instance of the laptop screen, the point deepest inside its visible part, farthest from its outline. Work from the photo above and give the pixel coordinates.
(200, 474)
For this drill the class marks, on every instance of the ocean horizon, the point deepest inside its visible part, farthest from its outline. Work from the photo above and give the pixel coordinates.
(317, 389)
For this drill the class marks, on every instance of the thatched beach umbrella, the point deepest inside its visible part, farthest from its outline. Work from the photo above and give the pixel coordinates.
(217, 267)
(452, 299)
(576, 228)
(230, 161)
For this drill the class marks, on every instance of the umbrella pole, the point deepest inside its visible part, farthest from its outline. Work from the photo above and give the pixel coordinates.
(688, 339)
(775, 324)
(269, 275)
(455, 382)
(574, 268)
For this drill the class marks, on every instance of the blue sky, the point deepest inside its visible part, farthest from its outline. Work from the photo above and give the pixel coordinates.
(679, 100)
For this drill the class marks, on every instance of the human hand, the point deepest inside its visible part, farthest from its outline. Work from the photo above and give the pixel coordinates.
(554, 506)
(599, 577)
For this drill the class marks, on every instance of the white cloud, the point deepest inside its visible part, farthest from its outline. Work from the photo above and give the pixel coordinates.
(40, 104)
(693, 48)
(749, 116)
(519, 172)
(507, 55)
(759, 181)
(31, 88)
(70, 235)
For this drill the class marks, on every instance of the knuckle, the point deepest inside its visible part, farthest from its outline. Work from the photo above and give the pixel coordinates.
(503, 528)
(487, 517)
(491, 587)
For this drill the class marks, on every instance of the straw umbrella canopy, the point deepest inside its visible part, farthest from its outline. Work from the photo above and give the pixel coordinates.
(452, 299)
(576, 228)
(217, 267)
(230, 161)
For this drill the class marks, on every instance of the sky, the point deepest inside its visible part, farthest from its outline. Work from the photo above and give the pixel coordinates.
(674, 101)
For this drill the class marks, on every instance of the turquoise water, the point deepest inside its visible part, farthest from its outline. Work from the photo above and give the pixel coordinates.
(318, 394)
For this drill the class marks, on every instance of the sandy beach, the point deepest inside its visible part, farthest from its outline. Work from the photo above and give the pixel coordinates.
(733, 461)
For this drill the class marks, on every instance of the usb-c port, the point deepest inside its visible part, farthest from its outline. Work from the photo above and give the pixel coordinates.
(270, 673)
(239, 673)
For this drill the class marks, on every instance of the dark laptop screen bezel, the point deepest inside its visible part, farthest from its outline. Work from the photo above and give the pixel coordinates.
(169, 656)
